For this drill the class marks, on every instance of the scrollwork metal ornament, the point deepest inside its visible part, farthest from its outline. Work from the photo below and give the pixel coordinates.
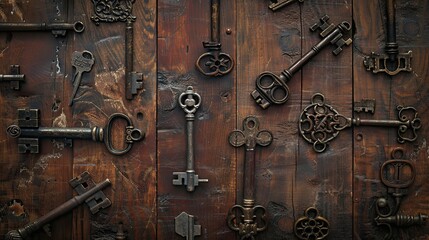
(311, 226)
(113, 11)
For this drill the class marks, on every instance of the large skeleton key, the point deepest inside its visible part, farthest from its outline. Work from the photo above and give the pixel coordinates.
(319, 123)
(28, 132)
(83, 62)
(189, 101)
(57, 29)
(114, 11)
(392, 62)
(248, 219)
(88, 191)
(277, 4)
(214, 62)
(273, 89)
(15, 78)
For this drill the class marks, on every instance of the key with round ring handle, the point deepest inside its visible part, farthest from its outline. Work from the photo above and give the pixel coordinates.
(28, 132)
(273, 89)
(82, 62)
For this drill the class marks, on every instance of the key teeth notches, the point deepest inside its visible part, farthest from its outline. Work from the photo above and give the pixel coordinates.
(326, 28)
(260, 99)
(365, 105)
(185, 227)
(15, 70)
(136, 82)
(28, 118)
(376, 63)
(340, 42)
(188, 179)
(28, 145)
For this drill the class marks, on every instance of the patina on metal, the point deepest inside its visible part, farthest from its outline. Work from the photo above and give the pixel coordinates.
(319, 123)
(15, 77)
(121, 11)
(273, 89)
(57, 29)
(82, 62)
(28, 132)
(392, 62)
(189, 101)
(248, 219)
(88, 191)
(397, 174)
(311, 226)
(365, 105)
(185, 226)
(214, 62)
(277, 4)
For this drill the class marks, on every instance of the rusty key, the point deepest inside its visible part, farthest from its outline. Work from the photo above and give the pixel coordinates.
(248, 219)
(277, 4)
(58, 29)
(320, 123)
(273, 89)
(83, 62)
(15, 77)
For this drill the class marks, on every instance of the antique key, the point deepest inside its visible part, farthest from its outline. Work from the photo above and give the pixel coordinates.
(58, 29)
(273, 89)
(397, 175)
(214, 62)
(392, 62)
(120, 11)
(319, 123)
(189, 101)
(312, 226)
(28, 132)
(249, 219)
(83, 62)
(15, 78)
(88, 191)
(185, 226)
(277, 4)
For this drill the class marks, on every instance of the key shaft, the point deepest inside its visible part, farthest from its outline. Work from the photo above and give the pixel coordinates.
(56, 28)
(274, 6)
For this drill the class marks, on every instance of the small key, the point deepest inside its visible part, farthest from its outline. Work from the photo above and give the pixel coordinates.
(248, 219)
(277, 4)
(15, 78)
(320, 123)
(88, 191)
(28, 132)
(58, 29)
(83, 62)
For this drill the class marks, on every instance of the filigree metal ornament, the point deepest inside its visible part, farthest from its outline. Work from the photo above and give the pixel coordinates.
(311, 226)
(113, 11)
(320, 123)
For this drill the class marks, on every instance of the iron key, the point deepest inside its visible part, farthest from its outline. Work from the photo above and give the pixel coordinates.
(58, 29)
(185, 226)
(88, 191)
(248, 219)
(320, 123)
(277, 4)
(15, 77)
(189, 101)
(273, 89)
(28, 132)
(83, 62)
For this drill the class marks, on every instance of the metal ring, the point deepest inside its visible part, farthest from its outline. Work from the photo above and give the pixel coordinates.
(78, 27)
(107, 135)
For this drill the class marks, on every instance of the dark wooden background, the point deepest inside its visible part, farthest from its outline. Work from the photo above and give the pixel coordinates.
(342, 183)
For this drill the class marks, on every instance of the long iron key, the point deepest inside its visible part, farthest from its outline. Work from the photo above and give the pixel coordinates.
(121, 11)
(392, 62)
(57, 29)
(28, 132)
(83, 62)
(88, 191)
(277, 4)
(273, 89)
(189, 101)
(214, 62)
(15, 77)
(320, 123)
(248, 219)
(185, 226)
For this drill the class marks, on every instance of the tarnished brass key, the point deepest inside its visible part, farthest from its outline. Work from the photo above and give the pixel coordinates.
(57, 29)
(15, 78)
(121, 11)
(273, 89)
(214, 62)
(82, 61)
(248, 219)
(392, 62)
(189, 101)
(320, 123)
(28, 132)
(88, 191)
(277, 4)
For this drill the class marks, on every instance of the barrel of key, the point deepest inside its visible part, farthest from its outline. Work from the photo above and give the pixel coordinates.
(95, 133)
(58, 29)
